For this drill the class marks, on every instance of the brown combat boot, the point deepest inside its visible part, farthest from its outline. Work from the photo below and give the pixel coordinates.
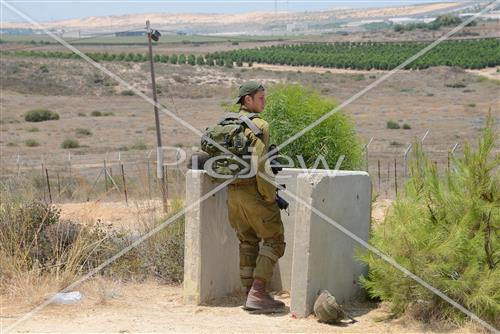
(259, 301)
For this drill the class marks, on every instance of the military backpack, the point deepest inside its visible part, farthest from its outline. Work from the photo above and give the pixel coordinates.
(229, 133)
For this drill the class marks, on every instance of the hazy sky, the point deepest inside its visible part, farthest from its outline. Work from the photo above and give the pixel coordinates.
(48, 10)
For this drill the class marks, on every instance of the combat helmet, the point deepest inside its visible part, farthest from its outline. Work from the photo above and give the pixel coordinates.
(327, 310)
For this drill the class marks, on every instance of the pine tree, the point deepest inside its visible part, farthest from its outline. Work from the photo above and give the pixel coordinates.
(446, 230)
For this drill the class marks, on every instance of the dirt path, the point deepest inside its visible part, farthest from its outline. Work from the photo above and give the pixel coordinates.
(151, 307)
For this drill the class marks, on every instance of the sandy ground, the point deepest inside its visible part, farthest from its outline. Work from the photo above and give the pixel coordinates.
(110, 307)
(490, 72)
(119, 214)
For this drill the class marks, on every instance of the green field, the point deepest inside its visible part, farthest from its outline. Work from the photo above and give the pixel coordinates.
(475, 54)
(134, 40)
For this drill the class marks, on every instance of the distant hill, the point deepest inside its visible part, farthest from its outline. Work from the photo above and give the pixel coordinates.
(256, 22)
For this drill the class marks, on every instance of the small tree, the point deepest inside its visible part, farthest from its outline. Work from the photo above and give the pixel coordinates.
(290, 108)
(445, 229)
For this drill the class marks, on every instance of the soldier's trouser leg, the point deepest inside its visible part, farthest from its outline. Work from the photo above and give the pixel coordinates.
(270, 251)
(253, 220)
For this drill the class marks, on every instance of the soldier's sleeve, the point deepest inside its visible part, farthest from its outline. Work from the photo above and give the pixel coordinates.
(261, 146)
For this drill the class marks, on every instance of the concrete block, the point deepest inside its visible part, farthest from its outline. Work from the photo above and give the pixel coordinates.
(323, 256)
(211, 260)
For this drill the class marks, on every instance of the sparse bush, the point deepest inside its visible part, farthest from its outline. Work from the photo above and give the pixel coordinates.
(127, 93)
(96, 113)
(395, 143)
(444, 228)
(456, 85)
(33, 129)
(108, 113)
(472, 105)
(359, 77)
(82, 114)
(290, 107)
(11, 144)
(70, 143)
(83, 132)
(139, 145)
(406, 126)
(31, 143)
(393, 125)
(40, 115)
(163, 253)
(35, 241)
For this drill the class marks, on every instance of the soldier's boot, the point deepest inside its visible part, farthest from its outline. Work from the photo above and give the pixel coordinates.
(259, 301)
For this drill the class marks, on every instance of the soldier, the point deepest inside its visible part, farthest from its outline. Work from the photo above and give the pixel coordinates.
(253, 212)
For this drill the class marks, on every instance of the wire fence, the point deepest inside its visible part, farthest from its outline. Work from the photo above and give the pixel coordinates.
(125, 175)
(111, 176)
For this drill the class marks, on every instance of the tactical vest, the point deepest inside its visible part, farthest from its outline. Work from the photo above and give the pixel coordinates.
(229, 133)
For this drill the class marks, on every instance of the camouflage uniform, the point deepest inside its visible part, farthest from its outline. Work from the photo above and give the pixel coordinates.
(254, 214)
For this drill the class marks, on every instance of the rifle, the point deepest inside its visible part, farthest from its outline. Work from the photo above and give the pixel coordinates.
(276, 167)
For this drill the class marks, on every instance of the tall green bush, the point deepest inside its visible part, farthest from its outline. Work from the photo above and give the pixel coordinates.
(290, 108)
(446, 230)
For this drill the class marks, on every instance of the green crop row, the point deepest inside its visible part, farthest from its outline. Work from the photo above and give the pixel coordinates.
(475, 54)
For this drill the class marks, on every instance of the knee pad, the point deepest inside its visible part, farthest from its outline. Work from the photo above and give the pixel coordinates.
(248, 254)
(273, 248)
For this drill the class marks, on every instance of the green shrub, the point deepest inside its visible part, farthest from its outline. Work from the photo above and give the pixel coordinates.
(96, 113)
(83, 132)
(127, 93)
(31, 143)
(395, 143)
(444, 228)
(472, 105)
(40, 115)
(33, 129)
(292, 107)
(406, 126)
(70, 143)
(456, 85)
(393, 125)
(82, 114)
(108, 113)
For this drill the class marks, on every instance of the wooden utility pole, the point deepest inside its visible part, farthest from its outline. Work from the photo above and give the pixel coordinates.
(159, 151)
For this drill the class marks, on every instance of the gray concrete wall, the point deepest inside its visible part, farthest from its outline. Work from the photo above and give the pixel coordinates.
(211, 260)
(324, 256)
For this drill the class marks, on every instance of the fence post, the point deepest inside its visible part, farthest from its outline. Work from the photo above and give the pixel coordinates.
(58, 187)
(405, 162)
(105, 176)
(149, 180)
(124, 184)
(48, 185)
(43, 172)
(378, 170)
(18, 166)
(395, 178)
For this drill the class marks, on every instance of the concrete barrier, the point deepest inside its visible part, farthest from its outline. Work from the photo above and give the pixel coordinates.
(211, 263)
(211, 260)
(324, 256)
